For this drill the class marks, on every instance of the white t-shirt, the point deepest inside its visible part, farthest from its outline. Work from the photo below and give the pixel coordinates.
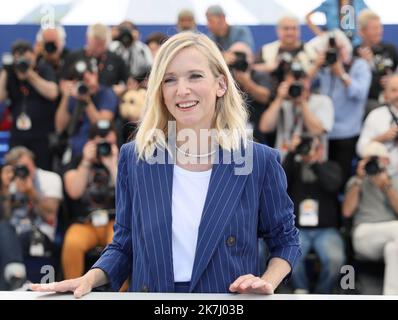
(376, 123)
(188, 200)
(49, 183)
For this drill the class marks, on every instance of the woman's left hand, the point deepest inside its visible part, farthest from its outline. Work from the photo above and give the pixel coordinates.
(249, 283)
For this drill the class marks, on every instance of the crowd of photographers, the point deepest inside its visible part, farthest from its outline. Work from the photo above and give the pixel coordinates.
(329, 107)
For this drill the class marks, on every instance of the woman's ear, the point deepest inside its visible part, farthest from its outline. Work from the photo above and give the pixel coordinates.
(222, 86)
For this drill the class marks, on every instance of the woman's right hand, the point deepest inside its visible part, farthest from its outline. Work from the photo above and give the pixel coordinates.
(79, 286)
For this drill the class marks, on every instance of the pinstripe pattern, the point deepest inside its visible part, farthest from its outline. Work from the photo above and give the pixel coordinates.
(237, 209)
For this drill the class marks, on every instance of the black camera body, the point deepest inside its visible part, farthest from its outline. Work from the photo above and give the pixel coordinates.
(82, 88)
(104, 149)
(22, 65)
(100, 192)
(125, 37)
(332, 53)
(240, 63)
(383, 62)
(372, 167)
(305, 146)
(296, 88)
(50, 47)
(21, 171)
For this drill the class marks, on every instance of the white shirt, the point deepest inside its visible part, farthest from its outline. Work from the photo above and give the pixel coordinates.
(378, 122)
(188, 200)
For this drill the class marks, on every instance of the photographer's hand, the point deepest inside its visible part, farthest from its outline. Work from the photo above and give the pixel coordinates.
(366, 53)
(338, 70)
(229, 57)
(7, 174)
(110, 162)
(67, 88)
(89, 152)
(389, 135)
(381, 180)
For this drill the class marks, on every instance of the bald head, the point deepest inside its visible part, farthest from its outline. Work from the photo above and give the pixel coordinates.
(391, 90)
(288, 31)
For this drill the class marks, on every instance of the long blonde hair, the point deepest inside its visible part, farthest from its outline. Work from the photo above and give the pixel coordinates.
(230, 112)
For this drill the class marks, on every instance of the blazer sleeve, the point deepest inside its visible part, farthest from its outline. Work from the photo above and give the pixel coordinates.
(276, 221)
(116, 259)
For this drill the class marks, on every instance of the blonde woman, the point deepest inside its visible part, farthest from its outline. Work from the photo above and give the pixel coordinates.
(193, 193)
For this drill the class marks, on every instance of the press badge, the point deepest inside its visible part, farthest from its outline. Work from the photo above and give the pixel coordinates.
(99, 218)
(309, 213)
(23, 122)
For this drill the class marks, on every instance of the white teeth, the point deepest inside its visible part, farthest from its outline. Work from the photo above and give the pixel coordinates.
(187, 104)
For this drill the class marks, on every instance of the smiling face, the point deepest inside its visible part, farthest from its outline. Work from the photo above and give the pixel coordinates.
(190, 90)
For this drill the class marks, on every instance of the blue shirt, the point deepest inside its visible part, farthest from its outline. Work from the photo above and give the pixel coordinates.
(104, 99)
(331, 10)
(235, 34)
(349, 102)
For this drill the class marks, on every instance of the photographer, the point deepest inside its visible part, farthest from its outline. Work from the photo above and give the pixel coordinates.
(372, 198)
(346, 81)
(32, 90)
(35, 196)
(89, 183)
(313, 185)
(255, 84)
(278, 55)
(381, 125)
(50, 48)
(112, 71)
(295, 110)
(135, 54)
(84, 101)
(381, 56)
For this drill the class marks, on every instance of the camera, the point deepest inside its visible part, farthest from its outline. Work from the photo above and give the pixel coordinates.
(305, 146)
(332, 52)
(19, 64)
(240, 63)
(99, 191)
(125, 37)
(103, 149)
(50, 47)
(22, 65)
(296, 88)
(383, 62)
(82, 88)
(372, 167)
(21, 171)
(7, 61)
(285, 60)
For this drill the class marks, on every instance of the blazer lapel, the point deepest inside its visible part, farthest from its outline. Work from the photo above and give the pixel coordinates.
(223, 195)
(155, 190)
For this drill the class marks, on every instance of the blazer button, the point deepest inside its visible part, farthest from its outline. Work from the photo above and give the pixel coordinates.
(144, 288)
(231, 241)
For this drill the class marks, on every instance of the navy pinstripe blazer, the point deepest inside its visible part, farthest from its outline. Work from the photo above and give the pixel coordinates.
(238, 208)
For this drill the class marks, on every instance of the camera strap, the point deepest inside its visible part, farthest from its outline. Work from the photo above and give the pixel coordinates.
(23, 121)
(393, 115)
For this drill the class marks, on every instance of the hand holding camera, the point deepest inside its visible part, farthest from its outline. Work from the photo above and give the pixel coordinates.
(283, 90)
(23, 180)
(390, 135)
